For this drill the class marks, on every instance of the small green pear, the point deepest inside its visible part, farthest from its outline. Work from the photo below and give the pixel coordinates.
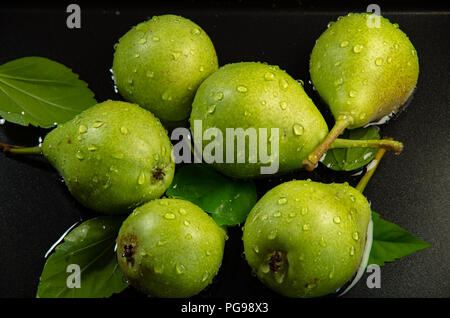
(160, 63)
(170, 248)
(364, 70)
(113, 156)
(260, 96)
(306, 239)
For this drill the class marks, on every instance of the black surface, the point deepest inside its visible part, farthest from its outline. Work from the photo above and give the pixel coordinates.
(411, 190)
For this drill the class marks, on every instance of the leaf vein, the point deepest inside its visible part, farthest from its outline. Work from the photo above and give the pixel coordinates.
(39, 98)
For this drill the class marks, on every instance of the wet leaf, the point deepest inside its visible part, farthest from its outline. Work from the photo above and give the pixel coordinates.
(352, 158)
(228, 201)
(41, 92)
(90, 248)
(391, 242)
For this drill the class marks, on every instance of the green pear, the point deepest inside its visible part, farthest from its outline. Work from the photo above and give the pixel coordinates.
(363, 71)
(170, 248)
(160, 63)
(256, 95)
(113, 156)
(306, 239)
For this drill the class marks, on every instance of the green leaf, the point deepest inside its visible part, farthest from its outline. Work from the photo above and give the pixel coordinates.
(41, 92)
(391, 242)
(91, 247)
(228, 201)
(348, 159)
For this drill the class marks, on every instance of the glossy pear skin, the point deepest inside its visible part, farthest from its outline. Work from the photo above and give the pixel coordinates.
(113, 156)
(160, 63)
(256, 95)
(306, 239)
(170, 248)
(362, 72)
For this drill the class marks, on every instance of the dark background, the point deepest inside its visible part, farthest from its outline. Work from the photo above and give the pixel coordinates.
(411, 190)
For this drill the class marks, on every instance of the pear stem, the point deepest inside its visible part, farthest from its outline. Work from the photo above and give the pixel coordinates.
(20, 150)
(371, 167)
(388, 144)
(310, 162)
